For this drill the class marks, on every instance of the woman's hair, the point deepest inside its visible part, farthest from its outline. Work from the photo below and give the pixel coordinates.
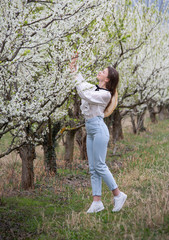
(113, 77)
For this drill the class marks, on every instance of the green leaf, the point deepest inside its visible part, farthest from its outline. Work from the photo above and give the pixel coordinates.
(26, 52)
(25, 23)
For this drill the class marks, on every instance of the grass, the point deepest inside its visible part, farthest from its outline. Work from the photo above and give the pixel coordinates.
(56, 208)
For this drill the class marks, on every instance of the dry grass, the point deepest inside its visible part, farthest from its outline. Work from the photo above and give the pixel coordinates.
(146, 206)
(144, 179)
(143, 175)
(10, 172)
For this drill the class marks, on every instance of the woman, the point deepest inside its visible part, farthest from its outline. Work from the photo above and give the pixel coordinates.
(95, 99)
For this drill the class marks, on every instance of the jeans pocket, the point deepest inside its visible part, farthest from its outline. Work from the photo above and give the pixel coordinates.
(105, 131)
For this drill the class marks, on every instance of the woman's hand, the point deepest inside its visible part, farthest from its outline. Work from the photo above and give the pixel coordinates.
(73, 64)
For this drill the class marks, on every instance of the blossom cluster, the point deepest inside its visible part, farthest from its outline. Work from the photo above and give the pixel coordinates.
(39, 38)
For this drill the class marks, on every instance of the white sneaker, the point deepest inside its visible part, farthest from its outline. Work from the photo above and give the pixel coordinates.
(119, 202)
(96, 206)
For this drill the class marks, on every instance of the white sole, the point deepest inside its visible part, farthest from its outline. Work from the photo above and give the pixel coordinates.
(125, 197)
(99, 210)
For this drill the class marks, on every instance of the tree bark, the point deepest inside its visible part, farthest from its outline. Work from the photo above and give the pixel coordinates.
(133, 123)
(81, 140)
(152, 113)
(50, 158)
(140, 122)
(109, 121)
(164, 112)
(27, 154)
(49, 145)
(74, 113)
(69, 147)
(117, 126)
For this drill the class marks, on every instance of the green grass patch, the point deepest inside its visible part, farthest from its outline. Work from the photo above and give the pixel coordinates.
(56, 208)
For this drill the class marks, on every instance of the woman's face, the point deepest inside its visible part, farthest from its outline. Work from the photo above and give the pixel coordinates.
(103, 75)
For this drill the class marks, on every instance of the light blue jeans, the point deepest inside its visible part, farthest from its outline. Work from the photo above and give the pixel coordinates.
(97, 141)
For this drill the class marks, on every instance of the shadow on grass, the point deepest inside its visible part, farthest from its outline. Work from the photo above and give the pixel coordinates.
(26, 217)
(15, 221)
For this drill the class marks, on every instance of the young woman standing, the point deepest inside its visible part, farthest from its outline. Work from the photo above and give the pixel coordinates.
(95, 99)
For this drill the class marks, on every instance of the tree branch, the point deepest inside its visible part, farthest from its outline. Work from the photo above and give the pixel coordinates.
(38, 1)
(11, 150)
(69, 129)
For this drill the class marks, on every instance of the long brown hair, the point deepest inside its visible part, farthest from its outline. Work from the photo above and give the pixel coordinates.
(113, 77)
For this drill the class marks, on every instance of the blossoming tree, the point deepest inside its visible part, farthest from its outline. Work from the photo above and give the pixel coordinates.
(38, 39)
(126, 34)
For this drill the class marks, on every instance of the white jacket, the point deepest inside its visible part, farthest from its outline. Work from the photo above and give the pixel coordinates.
(93, 102)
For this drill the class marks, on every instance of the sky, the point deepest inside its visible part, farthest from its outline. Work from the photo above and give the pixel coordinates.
(161, 4)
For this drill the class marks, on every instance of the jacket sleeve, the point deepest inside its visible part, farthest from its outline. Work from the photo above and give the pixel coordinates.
(87, 92)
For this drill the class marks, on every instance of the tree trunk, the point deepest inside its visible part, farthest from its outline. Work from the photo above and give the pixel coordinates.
(109, 121)
(164, 112)
(117, 126)
(81, 140)
(27, 154)
(69, 147)
(133, 123)
(152, 113)
(140, 122)
(50, 158)
(70, 136)
(49, 145)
